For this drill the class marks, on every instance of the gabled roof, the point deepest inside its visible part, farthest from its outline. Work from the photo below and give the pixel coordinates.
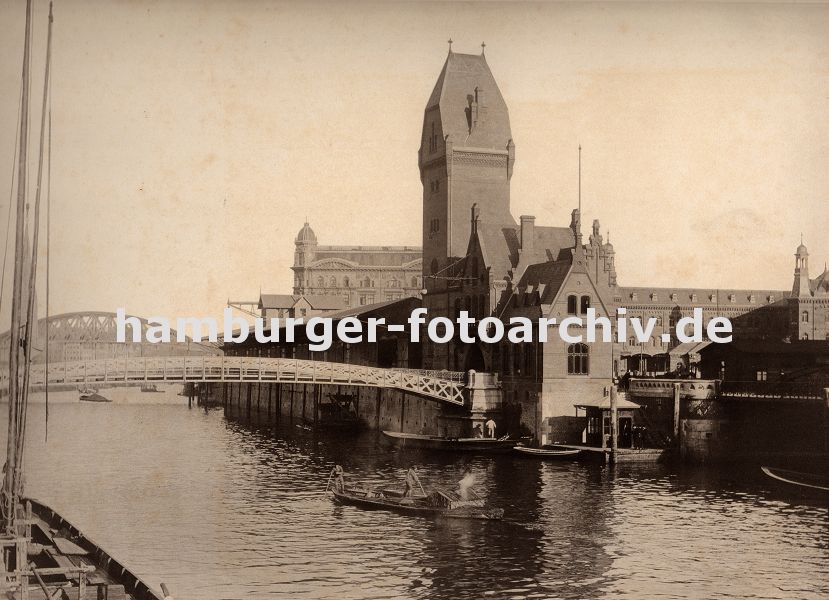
(820, 284)
(286, 301)
(546, 277)
(461, 74)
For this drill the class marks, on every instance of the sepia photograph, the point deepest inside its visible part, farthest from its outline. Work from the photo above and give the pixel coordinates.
(414, 300)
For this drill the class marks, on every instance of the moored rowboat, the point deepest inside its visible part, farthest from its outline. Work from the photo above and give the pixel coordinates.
(806, 480)
(548, 453)
(433, 442)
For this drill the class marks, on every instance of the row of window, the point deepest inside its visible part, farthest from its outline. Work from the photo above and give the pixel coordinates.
(693, 297)
(519, 359)
(367, 282)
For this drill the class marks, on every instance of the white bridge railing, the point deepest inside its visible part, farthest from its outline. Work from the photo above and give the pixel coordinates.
(439, 385)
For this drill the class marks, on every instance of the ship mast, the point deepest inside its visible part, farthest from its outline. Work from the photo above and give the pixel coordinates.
(14, 449)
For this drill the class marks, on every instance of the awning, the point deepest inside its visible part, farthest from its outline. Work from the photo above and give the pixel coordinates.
(604, 403)
(689, 348)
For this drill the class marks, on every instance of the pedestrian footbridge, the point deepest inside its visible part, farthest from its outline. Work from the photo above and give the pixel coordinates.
(443, 386)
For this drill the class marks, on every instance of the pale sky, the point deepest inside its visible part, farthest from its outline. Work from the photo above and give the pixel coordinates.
(191, 139)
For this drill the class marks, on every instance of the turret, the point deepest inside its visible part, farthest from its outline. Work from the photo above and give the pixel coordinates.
(801, 272)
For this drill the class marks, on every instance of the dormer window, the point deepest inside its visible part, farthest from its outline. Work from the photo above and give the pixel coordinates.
(751, 298)
(712, 297)
(633, 296)
(655, 297)
(771, 297)
(732, 298)
(693, 297)
(673, 297)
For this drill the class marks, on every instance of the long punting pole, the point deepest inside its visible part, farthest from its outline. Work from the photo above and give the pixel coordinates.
(9, 486)
(30, 309)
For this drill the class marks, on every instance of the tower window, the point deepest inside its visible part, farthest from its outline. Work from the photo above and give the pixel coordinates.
(578, 359)
(585, 304)
(804, 317)
(571, 305)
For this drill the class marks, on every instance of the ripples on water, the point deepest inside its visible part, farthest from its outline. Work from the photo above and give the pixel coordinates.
(221, 510)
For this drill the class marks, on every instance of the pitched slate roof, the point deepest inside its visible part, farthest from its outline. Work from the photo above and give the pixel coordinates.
(546, 278)
(460, 75)
(820, 284)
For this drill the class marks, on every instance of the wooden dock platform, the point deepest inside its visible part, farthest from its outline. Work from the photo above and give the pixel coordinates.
(623, 455)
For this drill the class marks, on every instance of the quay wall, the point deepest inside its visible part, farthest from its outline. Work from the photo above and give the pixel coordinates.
(376, 408)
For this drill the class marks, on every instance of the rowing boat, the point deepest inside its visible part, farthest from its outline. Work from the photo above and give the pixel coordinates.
(438, 503)
(433, 442)
(548, 453)
(812, 481)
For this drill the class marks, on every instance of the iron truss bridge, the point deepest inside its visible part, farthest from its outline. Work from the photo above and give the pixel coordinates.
(443, 386)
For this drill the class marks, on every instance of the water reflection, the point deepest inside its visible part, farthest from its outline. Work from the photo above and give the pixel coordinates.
(220, 509)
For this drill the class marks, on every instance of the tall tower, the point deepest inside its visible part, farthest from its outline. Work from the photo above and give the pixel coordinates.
(306, 245)
(466, 157)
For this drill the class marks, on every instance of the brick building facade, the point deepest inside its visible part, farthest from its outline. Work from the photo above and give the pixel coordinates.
(476, 257)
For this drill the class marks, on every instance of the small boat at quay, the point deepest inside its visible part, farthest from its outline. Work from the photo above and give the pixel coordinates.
(433, 442)
(812, 481)
(90, 395)
(151, 388)
(438, 503)
(548, 452)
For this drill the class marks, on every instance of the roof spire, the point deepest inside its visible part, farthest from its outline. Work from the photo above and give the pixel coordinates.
(483, 48)
(450, 45)
(579, 178)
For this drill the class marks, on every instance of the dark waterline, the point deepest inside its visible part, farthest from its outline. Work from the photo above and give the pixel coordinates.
(222, 510)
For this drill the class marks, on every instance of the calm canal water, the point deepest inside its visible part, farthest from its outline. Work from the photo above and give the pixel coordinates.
(222, 510)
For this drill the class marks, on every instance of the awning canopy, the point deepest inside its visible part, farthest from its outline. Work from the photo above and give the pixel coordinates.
(604, 403)
(688, 348)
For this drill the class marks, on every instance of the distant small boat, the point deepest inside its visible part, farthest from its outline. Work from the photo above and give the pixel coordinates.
(433, 442)
(90, 395)
(548, 452)
(151, 388)
(812, 481)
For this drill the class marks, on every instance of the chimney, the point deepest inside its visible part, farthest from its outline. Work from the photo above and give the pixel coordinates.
(527, 235)
(480, 103)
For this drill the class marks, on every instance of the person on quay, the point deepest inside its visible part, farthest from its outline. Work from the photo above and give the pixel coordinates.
(490, 428)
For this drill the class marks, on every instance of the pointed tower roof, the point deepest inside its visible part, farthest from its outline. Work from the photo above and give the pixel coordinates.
(455, 91)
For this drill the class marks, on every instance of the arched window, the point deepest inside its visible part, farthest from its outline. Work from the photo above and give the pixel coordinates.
(578, 360)
(320, 282)
(434, 266)
(414, 282)
(805, 336)
(571, 305)
(804, 316)
(585, 304)
(332, 282)
(346, 282)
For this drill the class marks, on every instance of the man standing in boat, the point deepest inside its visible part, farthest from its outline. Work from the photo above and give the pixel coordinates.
(490, 428)
(411, 480)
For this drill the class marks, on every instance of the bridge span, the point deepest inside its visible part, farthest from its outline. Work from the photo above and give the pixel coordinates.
(443, 386)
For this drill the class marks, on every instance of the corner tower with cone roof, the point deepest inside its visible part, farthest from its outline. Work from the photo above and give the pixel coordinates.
(466, 157)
